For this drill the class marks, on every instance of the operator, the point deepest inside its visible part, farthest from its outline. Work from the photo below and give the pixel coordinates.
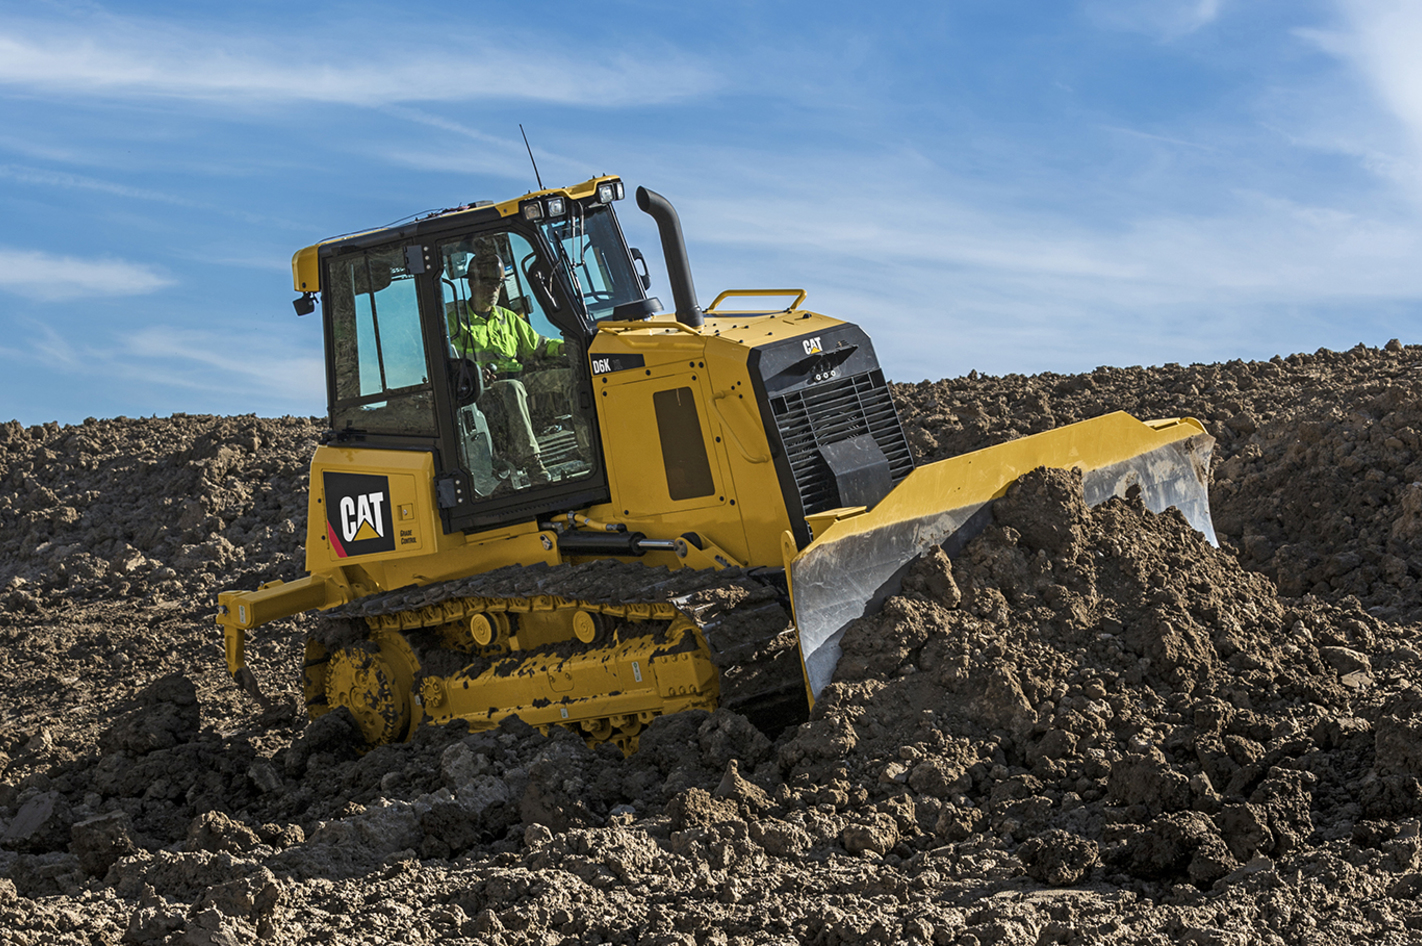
(500, 341)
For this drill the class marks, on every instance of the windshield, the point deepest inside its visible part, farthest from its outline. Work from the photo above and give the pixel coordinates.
(596, 257)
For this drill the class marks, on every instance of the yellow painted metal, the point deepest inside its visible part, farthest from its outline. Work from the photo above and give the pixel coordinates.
(584, 627)
(423, 553)
(240, 611)
(820, 521)
(714, 307)
(588, 188)
(306, 269)
(481, 629)
(608, 692)
(374, 679)
(985, 474)
(714, 363)
(857, 560)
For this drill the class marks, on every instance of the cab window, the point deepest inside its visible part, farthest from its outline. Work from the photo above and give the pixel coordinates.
(524, 429)
(380, 380)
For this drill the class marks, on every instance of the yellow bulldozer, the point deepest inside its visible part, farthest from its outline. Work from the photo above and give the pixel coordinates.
(541, 496)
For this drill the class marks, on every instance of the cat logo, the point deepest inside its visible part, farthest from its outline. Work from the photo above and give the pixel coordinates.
(358, 514)
(812, 345)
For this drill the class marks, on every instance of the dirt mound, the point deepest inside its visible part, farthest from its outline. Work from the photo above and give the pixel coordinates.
(160, 506)
(1088, 727)
(1107, 675)
(1317, 462)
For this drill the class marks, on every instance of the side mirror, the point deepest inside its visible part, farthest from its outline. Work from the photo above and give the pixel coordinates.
(466, 381)
(645, 275)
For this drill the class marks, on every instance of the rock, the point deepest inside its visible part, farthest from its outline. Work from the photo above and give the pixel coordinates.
(353, 845)
(460, 766)
(42, 824)
(931, 575)
(780, 838)
(264, 775)
(211, 927)
(1058, 857)
(697, 808)
(154, 923)
(217, 832)
(251, 898)
(1149, 780)
(878, 834)
(1345, 660)
(99, 842)
(536, 835)
(749, 796)
(168, 715)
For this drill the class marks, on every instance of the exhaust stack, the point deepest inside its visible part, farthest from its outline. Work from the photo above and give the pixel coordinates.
(674, 250)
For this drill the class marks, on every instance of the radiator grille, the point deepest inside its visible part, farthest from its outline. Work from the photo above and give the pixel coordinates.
(828, 413)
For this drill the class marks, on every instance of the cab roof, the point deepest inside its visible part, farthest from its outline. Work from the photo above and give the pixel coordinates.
(305, 269)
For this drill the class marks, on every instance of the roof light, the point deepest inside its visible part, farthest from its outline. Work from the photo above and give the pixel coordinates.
(606, 193)
(556, 207)
(532, 210)
(620, 191)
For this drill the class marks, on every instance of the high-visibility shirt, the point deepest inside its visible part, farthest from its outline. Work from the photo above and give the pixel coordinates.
(502, 338)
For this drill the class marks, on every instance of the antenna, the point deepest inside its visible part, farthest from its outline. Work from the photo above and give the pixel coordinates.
(530, 155)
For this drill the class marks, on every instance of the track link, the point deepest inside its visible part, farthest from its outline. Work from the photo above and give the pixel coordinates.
(603, 647)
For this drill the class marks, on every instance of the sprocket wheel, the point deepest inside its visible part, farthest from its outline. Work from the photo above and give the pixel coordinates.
(360, 679)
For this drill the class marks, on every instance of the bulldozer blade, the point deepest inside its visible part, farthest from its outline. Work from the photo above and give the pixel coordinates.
(860, 561)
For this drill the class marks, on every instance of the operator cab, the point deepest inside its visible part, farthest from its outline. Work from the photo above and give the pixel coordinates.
(465, 333)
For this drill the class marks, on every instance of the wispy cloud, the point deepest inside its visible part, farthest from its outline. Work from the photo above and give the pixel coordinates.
(1163, 19)
(203, 365)
(48, 277)
(63, 179)
(204, 360)
(949, 279)
(28, 175)
(1381, 39)
(106, 55)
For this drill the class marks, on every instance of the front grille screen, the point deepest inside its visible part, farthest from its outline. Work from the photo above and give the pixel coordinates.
(827, 413)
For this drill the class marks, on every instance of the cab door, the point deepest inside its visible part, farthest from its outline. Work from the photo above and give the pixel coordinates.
(524, 435)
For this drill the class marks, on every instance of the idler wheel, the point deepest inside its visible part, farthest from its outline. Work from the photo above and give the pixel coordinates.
(360, 678)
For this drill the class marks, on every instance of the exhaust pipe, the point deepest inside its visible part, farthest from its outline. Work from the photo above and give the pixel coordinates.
(674, 250)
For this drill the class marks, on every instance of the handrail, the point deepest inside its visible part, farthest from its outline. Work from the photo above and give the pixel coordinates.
(799, 295)
(617, 328)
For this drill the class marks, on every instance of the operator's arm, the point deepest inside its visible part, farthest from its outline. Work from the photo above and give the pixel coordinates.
(531, 343)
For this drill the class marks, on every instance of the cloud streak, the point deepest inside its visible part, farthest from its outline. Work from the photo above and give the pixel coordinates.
(48, 277)
(1381, 40)
(123, 57)
(1164, 19)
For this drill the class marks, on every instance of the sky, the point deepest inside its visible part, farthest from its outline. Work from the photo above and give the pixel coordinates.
(1003, 186)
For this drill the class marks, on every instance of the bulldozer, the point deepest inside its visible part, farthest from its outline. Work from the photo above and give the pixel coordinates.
(542, 496)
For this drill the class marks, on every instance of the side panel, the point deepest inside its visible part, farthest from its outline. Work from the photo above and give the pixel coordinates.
(370, 505)
(372, 518)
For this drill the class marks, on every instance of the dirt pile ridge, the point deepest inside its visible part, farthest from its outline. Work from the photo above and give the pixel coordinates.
(1090, 726)
(1317, 462)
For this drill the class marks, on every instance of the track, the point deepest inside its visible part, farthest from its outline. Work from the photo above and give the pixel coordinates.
(605, 646)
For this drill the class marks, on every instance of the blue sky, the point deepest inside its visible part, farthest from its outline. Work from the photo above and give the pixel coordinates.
(1048, 185)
